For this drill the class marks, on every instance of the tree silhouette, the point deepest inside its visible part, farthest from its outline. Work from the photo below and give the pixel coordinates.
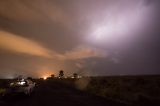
(75, 75)
(29, 78)
(61, 73)
(52, 76)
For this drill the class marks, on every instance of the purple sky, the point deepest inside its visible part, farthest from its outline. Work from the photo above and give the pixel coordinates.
(89, 37)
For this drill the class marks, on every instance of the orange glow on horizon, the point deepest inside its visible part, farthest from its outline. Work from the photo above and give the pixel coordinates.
(45, 78)
(44, 73)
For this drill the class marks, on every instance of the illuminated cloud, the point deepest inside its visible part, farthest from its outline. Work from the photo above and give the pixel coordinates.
(19, 44)
(79, 65)
(14, 43)
(118, 22)
(84, 52)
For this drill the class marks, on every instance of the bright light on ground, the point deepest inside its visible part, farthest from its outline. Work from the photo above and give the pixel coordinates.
(45, 78)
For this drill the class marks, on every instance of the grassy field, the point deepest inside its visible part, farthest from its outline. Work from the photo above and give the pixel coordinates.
(131, 90)
(128, 89)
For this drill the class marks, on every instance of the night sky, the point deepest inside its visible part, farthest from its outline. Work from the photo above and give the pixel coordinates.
(89, 37)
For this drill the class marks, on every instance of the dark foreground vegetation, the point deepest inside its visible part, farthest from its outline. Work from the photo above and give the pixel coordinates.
(95, 91)
(135, 90)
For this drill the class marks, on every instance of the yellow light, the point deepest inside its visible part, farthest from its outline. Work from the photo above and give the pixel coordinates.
(44, 78)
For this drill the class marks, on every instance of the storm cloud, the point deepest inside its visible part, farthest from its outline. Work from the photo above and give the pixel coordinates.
(101, 37)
